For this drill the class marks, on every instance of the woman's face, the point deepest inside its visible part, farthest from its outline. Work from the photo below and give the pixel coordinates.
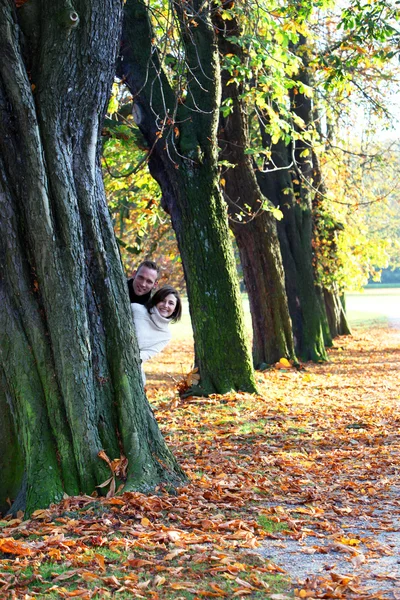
(167, 306)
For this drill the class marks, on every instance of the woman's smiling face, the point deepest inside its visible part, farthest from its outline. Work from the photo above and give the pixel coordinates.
(167, 306)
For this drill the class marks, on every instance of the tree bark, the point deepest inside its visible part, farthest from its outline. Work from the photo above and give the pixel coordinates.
(253, 226)
(303, 182)
(69, 363)
(182, 136)
(295, 236)
(11, 459)
(337, 319)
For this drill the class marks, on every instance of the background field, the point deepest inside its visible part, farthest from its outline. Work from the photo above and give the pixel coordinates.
(375, 304)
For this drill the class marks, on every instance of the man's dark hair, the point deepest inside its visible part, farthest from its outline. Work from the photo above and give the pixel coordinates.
(160, 295)
(150, 264)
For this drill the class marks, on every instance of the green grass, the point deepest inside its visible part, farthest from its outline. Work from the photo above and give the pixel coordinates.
(271, 526)
(252, 427)
(197, 575)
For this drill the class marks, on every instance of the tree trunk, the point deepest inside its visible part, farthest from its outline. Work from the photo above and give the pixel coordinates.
(295, 236)
(253, 226)
(338, 324)
(182, 136)
(11, 459)
(69, 363)
(325, 228)
(303, 182)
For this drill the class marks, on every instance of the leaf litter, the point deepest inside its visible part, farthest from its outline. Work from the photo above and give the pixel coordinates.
(292, 493)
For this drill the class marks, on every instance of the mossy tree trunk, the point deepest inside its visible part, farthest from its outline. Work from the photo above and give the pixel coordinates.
(295, 236)
(303, 180)
(69, 365)
(183, 159)
(254, 227)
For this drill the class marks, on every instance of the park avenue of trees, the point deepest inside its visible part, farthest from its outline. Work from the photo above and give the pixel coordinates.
(225, 99)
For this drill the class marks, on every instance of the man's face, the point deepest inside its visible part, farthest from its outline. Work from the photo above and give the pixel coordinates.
(144, 280)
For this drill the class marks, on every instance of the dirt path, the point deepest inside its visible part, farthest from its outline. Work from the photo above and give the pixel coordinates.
(374, 565)
(353, 508)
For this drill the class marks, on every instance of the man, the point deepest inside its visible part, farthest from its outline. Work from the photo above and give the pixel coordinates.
(143, 282)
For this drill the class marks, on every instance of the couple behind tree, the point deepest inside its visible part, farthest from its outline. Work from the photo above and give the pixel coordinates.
(152, 314)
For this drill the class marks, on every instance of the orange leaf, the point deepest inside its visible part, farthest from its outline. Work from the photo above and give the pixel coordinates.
(111, 491)
(79, 593)
(216, 588)
(40, 514)
(100, 561)
(89, 576)
(11, 546)
(174, 553)
(244, 583)
(138, 562)
(104, 457)
(181, 586)
(115, 501)
(105, 483)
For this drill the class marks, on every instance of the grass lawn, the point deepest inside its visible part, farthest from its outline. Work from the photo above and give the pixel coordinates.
(374, 305)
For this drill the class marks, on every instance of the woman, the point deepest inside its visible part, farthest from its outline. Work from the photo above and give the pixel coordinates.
(153, 319)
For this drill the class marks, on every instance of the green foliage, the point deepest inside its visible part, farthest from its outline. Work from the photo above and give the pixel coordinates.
(347, 51)
(142, 227)
(362, 218)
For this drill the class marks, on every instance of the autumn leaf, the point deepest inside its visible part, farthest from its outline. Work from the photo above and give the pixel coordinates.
(159, 580)
(101, 454)
(12, 546)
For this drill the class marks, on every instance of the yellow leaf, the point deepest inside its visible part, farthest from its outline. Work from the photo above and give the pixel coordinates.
(145, 522)
(284, 362)
(349, 541)
(159, 580)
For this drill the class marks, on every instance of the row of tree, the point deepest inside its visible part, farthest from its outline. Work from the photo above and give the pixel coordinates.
(248, 94)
